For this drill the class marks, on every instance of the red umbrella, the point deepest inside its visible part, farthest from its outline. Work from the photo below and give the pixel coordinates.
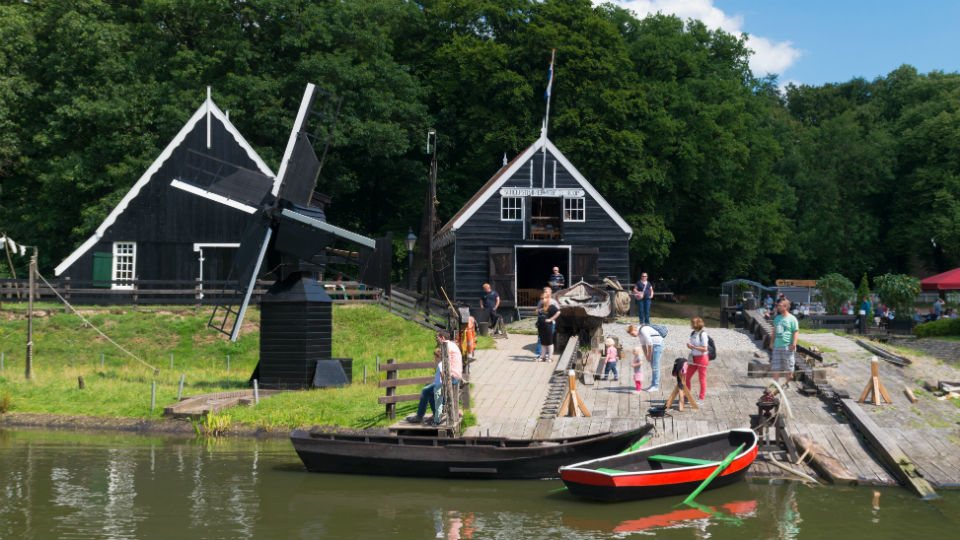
(942, 282)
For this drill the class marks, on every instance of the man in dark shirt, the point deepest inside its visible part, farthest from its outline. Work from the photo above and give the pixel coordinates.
(490, 301)
(556, 280)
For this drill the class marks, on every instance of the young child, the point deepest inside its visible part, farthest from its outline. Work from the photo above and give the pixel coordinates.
(611, 360)
(637, 367)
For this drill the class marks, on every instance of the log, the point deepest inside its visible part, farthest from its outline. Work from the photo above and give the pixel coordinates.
(913, 399)
(887, 451)
(824, 463)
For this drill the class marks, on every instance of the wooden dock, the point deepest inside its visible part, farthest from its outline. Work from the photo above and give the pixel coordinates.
(510, 388)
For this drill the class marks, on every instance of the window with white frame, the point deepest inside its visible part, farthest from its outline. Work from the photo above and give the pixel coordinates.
(573, 209)
(511, 208)
(124, 264)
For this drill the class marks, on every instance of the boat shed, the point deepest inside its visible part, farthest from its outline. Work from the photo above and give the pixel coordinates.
(158, 232)
(538, 211)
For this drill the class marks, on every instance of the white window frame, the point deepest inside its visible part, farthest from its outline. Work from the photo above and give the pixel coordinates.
(504, 207)
(117, 273)
(582, 209)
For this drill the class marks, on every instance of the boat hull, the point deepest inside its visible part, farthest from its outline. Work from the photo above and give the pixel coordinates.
(614, 483)
(482, 457)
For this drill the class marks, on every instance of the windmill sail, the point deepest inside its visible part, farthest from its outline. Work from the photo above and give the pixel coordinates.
(227, 318)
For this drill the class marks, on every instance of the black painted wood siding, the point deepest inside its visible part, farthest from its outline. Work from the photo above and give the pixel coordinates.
(484, 230)
(165, 222)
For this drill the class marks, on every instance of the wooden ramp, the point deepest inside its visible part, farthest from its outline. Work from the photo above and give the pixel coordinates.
(197, 407)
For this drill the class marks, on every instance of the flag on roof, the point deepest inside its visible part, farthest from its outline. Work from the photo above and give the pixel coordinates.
(546, 94)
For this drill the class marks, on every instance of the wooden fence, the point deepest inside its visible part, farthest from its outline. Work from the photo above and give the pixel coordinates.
(411, 306)
(393, 381)
(173, 292)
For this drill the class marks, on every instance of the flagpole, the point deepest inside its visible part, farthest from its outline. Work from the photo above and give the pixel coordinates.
(546, 121)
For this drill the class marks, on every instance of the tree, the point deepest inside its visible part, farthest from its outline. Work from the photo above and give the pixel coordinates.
(898, 291)
(835, 289)
(863, 290)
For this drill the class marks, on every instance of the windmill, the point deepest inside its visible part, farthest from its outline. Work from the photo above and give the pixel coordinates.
(286, 231)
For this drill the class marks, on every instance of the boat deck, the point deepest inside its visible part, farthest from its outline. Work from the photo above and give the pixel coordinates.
(509, 390)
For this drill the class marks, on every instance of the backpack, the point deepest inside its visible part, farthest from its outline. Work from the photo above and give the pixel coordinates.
(711, 348)
(661, 329)
(679, 367)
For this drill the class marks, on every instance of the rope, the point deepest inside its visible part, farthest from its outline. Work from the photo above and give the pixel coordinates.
(88, 323)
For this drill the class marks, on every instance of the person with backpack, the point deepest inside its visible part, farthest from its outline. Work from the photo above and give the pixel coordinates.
(700, 349)
(651, 339)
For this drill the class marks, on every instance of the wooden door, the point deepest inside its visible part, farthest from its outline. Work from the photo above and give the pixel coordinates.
(585, 265)
(503, 275)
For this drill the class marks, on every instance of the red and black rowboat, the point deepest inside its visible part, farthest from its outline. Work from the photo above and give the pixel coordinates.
(458, 457)
(676, 468)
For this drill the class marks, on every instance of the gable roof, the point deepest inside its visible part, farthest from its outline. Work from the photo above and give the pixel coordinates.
(506, 172)
(207, 107)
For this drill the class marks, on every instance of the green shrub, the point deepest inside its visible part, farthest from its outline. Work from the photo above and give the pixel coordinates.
(898, 291)
(835, 289)
(943, 327)
(6, 401)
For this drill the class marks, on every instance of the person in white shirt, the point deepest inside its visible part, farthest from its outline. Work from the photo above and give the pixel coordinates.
(652, 343)
(699, 356)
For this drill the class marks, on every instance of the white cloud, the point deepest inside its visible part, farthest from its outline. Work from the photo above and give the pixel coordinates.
(768, 57)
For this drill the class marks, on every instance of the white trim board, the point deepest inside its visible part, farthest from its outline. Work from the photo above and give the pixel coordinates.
(524, 157)
(207, 106)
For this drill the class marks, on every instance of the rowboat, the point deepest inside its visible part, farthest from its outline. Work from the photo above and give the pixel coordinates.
(583, 301)
(675, 468)
(454, 457)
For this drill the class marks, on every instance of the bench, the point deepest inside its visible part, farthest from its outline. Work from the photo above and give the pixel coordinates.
(680, 460)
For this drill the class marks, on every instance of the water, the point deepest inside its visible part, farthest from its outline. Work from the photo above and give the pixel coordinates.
(69, 485)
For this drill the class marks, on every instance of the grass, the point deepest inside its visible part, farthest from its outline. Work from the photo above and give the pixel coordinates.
(809, 345)
(64, 350)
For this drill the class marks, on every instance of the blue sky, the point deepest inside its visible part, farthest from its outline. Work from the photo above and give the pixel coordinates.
(817, 42)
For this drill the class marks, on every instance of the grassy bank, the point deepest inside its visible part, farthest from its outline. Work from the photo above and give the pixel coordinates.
(64, 350)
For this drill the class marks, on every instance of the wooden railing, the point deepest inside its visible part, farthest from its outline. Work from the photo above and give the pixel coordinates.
(143, 291)
(393, 382)
(411, 306)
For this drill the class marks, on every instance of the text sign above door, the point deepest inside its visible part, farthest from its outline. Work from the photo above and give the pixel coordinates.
(541, 192)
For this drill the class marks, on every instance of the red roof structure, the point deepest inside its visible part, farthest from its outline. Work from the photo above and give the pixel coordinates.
(949, 280)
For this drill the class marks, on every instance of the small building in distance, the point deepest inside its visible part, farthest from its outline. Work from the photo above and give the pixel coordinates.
(538, 211)
(158, 232)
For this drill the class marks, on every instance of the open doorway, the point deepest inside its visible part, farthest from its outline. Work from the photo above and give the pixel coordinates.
(534, 266)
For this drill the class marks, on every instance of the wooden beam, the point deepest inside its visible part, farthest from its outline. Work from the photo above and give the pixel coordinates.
(824, 463)
(913, 399)
(404, 382)
(887, 451)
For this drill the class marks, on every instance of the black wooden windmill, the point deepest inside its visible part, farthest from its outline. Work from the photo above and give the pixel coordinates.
(287, 232)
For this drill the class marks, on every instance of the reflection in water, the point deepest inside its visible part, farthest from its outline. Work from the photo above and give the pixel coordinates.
(67, 485)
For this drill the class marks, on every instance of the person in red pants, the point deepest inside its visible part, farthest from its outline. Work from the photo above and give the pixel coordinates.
(700, 356)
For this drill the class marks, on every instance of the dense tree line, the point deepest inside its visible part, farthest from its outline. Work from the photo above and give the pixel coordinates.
(719, 172)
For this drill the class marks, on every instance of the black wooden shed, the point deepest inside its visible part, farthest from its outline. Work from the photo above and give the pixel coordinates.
(157, 232)
(538, 211)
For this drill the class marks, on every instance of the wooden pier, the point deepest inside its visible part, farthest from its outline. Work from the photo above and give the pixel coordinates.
(510, 389)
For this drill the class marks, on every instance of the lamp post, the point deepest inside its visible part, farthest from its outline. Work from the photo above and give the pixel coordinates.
(411, 241)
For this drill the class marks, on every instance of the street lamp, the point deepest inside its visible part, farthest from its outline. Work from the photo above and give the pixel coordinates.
(410, 240)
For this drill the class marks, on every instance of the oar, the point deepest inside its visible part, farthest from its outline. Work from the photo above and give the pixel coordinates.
(636, 445)
(723, 465)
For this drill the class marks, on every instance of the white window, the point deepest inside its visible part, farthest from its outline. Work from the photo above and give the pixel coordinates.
(511, 208)
(573, 209)
(124, 264)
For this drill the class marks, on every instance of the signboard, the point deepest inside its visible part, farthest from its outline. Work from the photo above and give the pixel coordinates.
(570, 193)
(796, 283)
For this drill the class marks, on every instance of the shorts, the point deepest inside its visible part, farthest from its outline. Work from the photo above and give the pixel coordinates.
(783, 360)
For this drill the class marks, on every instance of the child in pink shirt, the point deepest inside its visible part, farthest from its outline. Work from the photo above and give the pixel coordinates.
(611, 358)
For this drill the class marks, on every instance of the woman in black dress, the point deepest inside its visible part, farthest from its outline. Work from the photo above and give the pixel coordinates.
(546, 315)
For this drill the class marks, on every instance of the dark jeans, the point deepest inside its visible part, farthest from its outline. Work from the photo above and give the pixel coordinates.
(426, 397)
(643, 310)
(494, 317)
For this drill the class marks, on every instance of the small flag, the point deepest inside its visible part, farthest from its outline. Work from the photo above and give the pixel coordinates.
(546, 94)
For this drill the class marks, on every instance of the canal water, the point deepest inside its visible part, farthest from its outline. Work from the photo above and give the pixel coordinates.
(69, 485)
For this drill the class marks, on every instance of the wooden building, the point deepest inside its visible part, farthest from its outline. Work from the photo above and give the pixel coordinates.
(158, 232)
(538, 211)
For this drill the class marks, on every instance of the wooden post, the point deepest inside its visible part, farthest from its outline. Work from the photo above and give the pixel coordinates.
(171, 360)
(153, 396)
(449, 408)
(33, 271)
(80, 381)
(1, 360)
(681, 391)
(364, 374)
(180, 391)
(874, 387)
(66, 294)
(101, 360)
(913, 399)
(228, 364)
(392, 374)
(256, 392)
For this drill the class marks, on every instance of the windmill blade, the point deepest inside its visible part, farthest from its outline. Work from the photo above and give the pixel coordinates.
(216, 197)
(210, 174)
(244, 271)
(299, 167)
(328, 228)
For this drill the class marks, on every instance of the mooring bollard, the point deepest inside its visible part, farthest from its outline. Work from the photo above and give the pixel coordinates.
(153, 397)
(180, 391)
(228, 364)
(256, 393)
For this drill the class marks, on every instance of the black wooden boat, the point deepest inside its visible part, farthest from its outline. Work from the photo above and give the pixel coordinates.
(459, 457)
(675, 468)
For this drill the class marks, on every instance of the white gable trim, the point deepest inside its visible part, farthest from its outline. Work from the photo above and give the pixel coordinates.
(590, 189)
(208, 106)
(521, 161)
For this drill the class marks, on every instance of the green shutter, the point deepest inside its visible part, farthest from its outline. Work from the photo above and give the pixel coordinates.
(102, 269)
